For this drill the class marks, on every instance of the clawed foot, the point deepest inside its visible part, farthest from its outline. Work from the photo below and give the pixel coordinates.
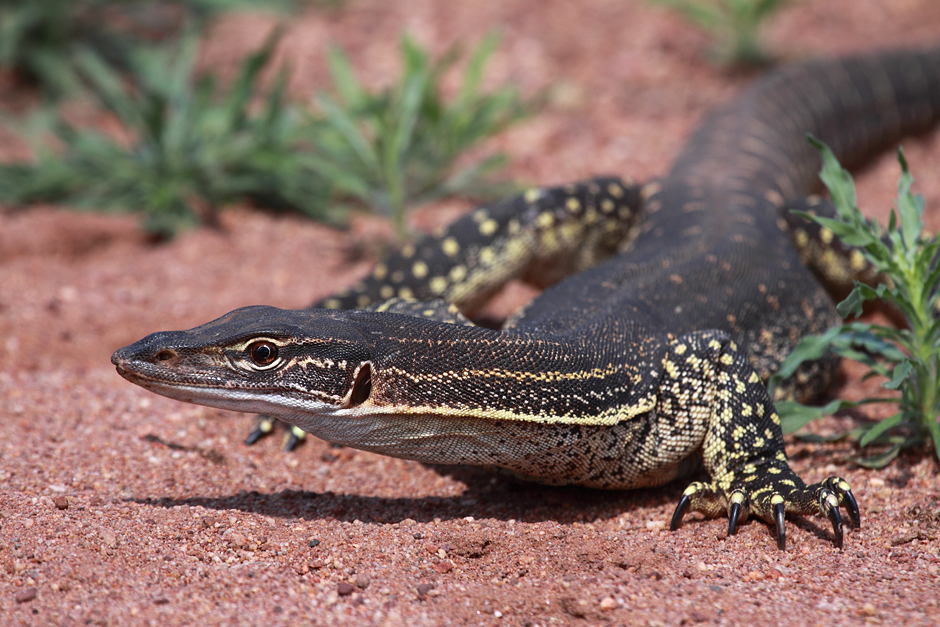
(265, 425)
(771, 501)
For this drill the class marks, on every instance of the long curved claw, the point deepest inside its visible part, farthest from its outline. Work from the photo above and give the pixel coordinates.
(263, 427)
(737, 501)
(848, 499)
(733, 514)
(681, 510)
(770, 498)
(840, 487)
(836, 519)
(293, 437)
(256, 434)
(852, 505)
(778, 511)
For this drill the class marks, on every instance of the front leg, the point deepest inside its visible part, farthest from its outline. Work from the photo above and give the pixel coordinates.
(743, 447)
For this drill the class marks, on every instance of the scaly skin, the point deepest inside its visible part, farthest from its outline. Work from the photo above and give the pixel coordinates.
(632, 372)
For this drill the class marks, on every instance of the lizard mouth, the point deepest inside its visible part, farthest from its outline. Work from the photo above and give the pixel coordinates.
(206, 389)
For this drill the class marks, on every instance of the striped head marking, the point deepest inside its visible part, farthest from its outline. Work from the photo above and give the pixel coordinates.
(257, 359)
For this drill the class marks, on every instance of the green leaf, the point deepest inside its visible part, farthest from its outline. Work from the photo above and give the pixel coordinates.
(473, 75)
(925, 259)
(849, 233)
(902, 373)
(241, 91)
(794, 416)
(933, 333)
(880, 428)
(810, 348)
(934, 428)
(822, 439)
(852, 305)
(910, 210)
(109, 87)
(416, 61)
(873, 339)
(837, 180)
(346, 126)
(879, 461)
(344, 78)
(409, 110)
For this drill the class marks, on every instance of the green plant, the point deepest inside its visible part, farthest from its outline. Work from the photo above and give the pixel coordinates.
(399, 146)
(194, 146)
(39, 39)
(908, 358)
(735, 23)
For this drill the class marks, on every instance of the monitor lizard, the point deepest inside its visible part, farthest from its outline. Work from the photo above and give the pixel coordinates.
(646, 363)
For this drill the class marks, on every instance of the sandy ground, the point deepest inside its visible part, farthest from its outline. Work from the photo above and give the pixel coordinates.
(121, 507)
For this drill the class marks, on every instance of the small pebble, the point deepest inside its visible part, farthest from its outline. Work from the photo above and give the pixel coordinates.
(344, 589)
(109, 538)
(314, 542)
(61, 502)
(424, 588)
(442, 567)
(608, 603)
(362, 581)
(25, 595)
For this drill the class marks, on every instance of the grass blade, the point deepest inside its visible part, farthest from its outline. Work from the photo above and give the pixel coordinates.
(345, 125)
(344, 78)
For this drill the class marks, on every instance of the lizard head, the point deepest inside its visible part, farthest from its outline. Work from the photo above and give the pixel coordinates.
(261, 359)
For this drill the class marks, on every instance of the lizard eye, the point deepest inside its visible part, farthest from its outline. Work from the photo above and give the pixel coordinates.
(262, 353)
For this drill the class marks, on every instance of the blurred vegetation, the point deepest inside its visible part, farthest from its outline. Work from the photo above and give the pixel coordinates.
(735, 24)
(39, 39)
(194, 146)
(398, 147)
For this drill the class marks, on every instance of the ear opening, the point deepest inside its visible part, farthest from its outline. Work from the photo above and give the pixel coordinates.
(362, 385)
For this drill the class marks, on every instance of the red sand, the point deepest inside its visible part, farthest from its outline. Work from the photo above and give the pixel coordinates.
(121, 507)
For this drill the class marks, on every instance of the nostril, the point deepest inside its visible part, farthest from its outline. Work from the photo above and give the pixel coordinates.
(165, 355)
